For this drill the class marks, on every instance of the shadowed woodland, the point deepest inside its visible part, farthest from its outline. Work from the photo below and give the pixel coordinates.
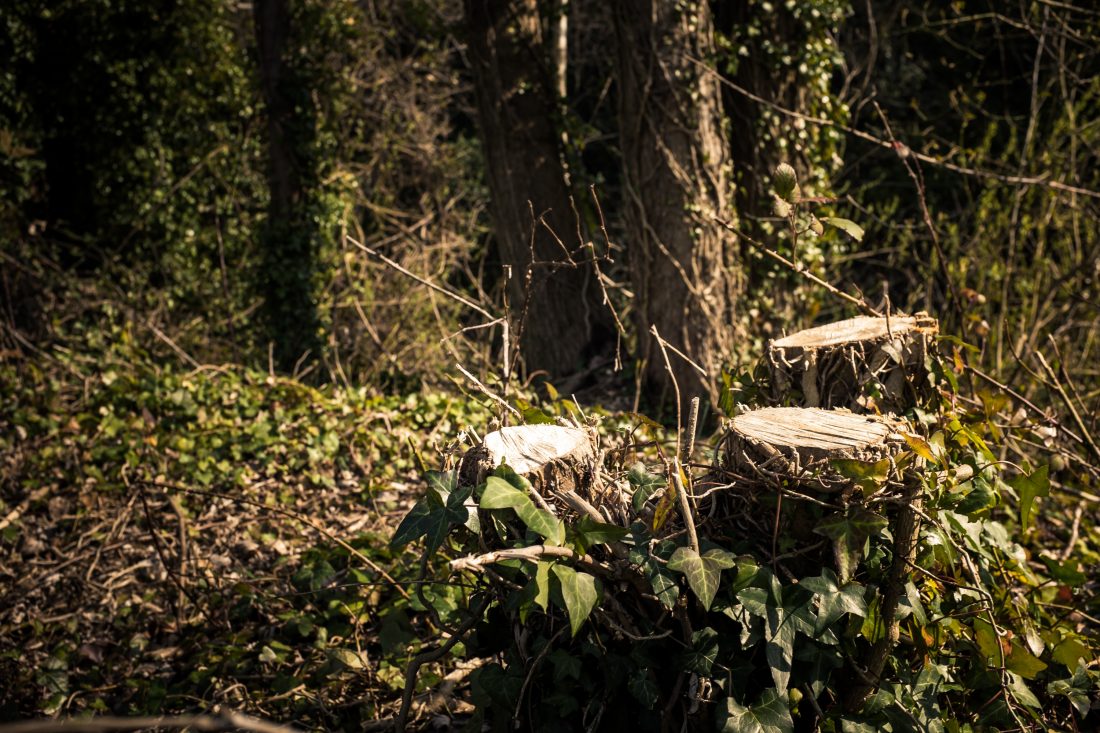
(549, 365)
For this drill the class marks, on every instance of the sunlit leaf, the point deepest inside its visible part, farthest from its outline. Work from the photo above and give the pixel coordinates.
(578, 591)
(542, 585)
(703, 571)
(499, 494)
(1029, 486)
(849, 227)
(770, 714)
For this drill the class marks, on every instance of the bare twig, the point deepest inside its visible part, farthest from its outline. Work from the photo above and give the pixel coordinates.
(426, 283)
(225, 721)
(1069, 405)
(430, 656)
(800, 269)
(486, 391)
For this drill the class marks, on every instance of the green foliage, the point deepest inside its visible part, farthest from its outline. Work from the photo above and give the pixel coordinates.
(101, 427)
(763, 636)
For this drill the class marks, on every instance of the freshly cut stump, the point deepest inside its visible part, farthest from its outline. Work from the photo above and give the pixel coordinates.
(832, 365)
(798, 443)
(552, 457)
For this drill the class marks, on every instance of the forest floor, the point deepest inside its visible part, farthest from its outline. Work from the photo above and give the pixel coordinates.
(174, 539)
(178, 538)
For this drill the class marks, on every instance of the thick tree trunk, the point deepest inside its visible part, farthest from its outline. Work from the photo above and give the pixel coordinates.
(677, 178)
(289, 236)
(552, 289)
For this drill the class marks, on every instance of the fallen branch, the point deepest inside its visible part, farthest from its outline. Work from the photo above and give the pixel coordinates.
(224, 721)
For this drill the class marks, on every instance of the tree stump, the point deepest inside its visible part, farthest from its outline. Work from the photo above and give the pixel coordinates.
(833, 365)
(554, 458)
(800, 443)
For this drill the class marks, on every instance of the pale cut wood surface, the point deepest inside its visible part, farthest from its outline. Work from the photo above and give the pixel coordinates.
(808, 427)
(528, 448)
(861, 328)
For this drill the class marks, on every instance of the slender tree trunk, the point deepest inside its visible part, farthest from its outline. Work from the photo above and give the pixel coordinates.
(677, 178)
(557, 301)
(289, 236)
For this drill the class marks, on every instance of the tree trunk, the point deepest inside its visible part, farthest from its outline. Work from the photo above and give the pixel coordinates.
(289, 236)
(553, 292)
(677, 178)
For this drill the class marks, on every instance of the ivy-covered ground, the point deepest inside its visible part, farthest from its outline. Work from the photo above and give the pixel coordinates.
(177, 538)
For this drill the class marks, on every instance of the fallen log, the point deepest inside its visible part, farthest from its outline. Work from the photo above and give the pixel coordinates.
(861, 363)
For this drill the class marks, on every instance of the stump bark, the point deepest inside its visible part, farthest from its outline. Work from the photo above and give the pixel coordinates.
(835, 365)
(799, 443)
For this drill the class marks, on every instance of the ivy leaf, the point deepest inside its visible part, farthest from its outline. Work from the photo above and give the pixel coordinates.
(849, 227)
(542, 522)
(848, 532)
(591, 532)
(770, 714)
(703, 653)
(704, 571)
(1028, 487)
(1021, 692)
(834, 600)
(1076, 689)
(542, 585)
(578, 591)
(642, 687)
(499, 494)
(1023, 662)
(442, 483)
(920, 446)
(782, 622)
(426, 519)
(645, 485)
(869, 476)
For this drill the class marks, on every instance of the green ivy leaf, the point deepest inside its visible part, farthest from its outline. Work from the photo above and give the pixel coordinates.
(499, 494)
(869, 476)
(590, 532)
(704, 571)
(433, 515)
(834, 600)
(848, 532)
(849, 227)
(1023, 662)
(1077, 689)
(578, 591)
(703, 653)
(542, 585)
(645, 485)
(542, 522)
(1029, 486)
(642, 687)
(770, 714)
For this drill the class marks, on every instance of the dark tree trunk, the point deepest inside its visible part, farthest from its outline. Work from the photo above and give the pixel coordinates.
(558, 302)
(677, 178)
(289, 236)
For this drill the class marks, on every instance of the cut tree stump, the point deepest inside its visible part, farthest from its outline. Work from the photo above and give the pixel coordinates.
(832, 365)
(799, 443)
(554, 458)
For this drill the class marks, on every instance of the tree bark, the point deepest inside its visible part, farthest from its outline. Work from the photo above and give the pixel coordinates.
(677, 178)
(553, 292)
(289, 236)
